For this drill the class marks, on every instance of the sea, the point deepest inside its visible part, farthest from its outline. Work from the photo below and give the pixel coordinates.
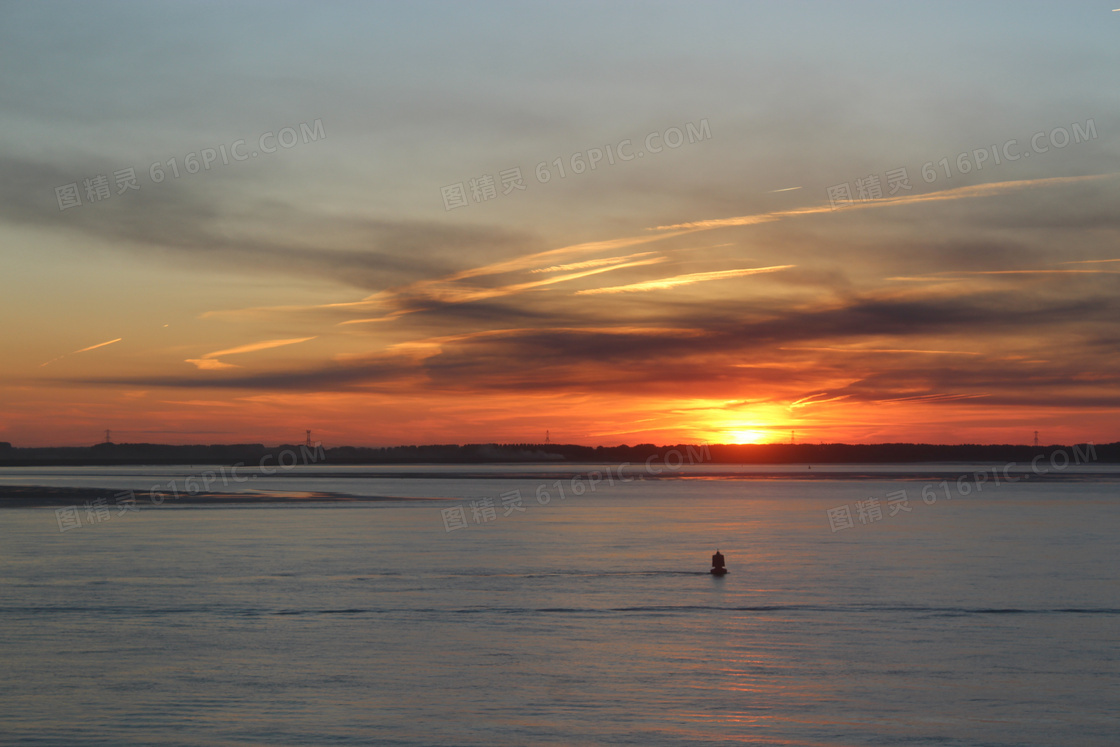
(566, 605)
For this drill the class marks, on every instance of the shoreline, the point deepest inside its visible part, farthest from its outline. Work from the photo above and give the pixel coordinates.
(33, 496)
(30, 495)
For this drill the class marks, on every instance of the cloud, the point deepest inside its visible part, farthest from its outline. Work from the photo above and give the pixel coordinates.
(205, 364)
(396, 301)
(958, 193)
(1033, 272)
(489, 329)
(834, 347)
(226, 225)
(255, 346)
(449, 293)
(98, 345)
(819, 398)
(209, 361)
(695, 277)
(900, 351)
(591, 263)
(83, 350)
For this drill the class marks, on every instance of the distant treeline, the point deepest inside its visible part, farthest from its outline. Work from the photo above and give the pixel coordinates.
(157, 454)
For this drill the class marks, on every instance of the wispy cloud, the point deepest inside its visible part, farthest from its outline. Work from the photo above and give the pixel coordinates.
(392, 303)
(1034, 272)
(883, 350)
(210, 362)
(959, 193)
(530, 261)
(458, 294)
(673, 343)
(954, 274)
(591, 263)
(83, 350)
(404, 299)
(672, 282)
(98, 345)
(255, 346)
(816, 399)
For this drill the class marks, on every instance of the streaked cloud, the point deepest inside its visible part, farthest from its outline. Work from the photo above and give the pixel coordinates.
(83, 350)
(695, 277)
(904, 351)
(958, 193)
(449, 293)
(591, 263)
(210, 362)
(98, 345)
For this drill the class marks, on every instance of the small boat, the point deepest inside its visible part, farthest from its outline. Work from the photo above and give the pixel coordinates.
(718, 567)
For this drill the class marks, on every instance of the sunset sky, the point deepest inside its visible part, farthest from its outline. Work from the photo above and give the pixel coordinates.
(358, 258)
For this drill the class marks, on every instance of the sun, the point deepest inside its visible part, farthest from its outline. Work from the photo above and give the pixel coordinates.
(748, 436)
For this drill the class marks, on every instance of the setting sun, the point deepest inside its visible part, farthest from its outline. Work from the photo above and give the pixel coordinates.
(749, 437)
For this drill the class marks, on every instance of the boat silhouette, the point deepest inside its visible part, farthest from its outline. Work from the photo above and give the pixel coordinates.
(718, 567)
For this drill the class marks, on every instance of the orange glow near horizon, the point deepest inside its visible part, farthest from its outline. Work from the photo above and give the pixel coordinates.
(748, 436)
(412, 415)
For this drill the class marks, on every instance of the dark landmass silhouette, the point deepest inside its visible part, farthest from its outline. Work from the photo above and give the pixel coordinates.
(144, 454)
(25, 496)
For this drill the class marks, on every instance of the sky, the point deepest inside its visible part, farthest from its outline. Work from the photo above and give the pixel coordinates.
(435, 222)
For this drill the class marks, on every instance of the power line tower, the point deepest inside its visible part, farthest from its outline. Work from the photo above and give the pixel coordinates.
(791, 440)
(1036, 439)
(309, 439)
(107, 439)
(547, 437)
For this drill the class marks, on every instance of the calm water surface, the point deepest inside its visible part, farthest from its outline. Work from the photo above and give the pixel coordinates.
(991, 619)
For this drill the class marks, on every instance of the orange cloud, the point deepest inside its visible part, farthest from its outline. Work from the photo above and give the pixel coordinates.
(695, 277)
(209, 361)
(83, 350)
(959, 193)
